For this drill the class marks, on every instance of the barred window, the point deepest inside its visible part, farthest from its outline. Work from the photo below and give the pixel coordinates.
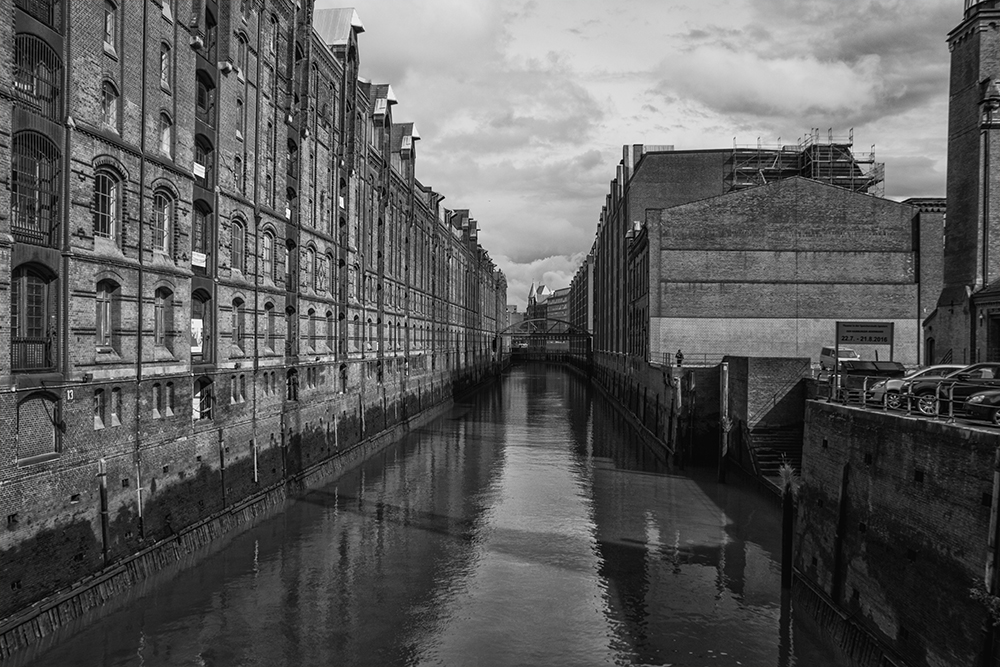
(32, 319)
(34, 188)
(37, 75)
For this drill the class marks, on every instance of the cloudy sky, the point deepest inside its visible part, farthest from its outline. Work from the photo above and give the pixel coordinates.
(523, 105)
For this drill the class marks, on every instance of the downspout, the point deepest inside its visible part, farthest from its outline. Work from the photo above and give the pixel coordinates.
(256, 264)
(138, 331)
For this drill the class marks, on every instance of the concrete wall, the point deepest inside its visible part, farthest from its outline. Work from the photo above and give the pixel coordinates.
(768, 270)
(769, 336)
(913, 500)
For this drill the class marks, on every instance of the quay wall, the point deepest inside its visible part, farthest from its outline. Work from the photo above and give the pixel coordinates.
(893, 516)
(76, 545)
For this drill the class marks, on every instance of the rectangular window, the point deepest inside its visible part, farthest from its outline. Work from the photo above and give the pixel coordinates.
(110, 28)
(100, 409)
(157, 401)
(104, 322)
(169, 400)
(116, 407)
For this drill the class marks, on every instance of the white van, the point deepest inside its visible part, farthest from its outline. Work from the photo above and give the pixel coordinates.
(828, 357)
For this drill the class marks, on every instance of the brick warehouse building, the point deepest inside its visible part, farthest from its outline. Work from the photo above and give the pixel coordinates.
(219, 266)
(753, 251)
(965, 327)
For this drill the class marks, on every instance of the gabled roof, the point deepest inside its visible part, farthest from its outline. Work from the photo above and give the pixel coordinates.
(335, 26)
(401, 131)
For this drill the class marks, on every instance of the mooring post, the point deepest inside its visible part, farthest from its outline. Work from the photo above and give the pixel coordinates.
(724, 422)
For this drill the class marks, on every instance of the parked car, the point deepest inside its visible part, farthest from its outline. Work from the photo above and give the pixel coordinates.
(889, 390)
(962, 383)
(828, 357)
(984, 405)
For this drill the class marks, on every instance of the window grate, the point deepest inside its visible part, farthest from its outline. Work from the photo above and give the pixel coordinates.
(37, 76)
(35, 191)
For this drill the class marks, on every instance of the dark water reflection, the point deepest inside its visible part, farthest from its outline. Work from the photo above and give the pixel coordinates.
(526, 528)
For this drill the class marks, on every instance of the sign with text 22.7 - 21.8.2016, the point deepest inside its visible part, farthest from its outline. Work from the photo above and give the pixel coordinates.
(864, 333)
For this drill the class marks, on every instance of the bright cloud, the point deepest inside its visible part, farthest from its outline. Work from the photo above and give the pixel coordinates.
(524, 106)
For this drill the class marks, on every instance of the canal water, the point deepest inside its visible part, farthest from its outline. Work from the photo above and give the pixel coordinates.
(526, 527)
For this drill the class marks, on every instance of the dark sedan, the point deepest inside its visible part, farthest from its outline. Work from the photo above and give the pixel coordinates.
(984, 405)
(962, 384)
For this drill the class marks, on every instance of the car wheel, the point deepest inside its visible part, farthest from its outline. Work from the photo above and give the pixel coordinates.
(893, 400)
(995, 417)
(927, 404)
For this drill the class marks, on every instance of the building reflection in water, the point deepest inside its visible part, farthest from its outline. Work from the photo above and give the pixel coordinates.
(528, 526)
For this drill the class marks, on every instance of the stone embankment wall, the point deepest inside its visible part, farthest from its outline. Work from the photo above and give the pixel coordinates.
(892, 528)
(76, 539)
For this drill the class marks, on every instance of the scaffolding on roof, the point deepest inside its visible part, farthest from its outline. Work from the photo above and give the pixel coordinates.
(832, 161)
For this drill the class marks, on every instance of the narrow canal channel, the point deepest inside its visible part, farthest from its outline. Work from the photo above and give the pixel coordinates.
(527, 527)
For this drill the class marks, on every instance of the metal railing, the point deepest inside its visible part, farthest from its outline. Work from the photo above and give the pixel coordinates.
(940, 405)
(31, 353)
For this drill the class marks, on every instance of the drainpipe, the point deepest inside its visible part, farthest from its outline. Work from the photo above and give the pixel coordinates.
(138, 332)
(102, 476)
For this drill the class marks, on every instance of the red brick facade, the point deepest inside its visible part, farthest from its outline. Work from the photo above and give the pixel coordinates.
(219, 267)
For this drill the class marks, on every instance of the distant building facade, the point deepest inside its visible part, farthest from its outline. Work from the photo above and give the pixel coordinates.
(754, 251)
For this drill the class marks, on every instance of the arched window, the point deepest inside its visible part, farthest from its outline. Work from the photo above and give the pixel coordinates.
(35, 188)
(273, 35)
(241, 53)
(329, 331)
(163, 220)
(166, 135)
(330, 279)
(310, 268)
(32, 319)
(201, 321)
(238, 246)
(108, 315)
(107, 204)
(166, 67)
(267, 254)
(239, 324)
(109, 105)
(238, 174)
(311, 331)
(37, 75)
(269, 325)
(163, 316)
